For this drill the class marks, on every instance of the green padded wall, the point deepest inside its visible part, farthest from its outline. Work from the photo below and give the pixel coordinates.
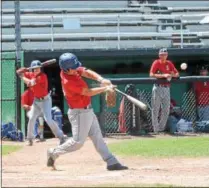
(8, 81)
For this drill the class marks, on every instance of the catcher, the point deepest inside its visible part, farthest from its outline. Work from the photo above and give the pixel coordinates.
(81, 116)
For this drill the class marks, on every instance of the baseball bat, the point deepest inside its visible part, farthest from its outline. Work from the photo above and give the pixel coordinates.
(45, 63)
(135, 101)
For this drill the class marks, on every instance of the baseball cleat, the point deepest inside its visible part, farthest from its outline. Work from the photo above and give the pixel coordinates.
(50, 160)
(30, 142)
(117, 166)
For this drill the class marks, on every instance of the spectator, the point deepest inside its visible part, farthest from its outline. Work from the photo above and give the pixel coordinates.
(161, 69)
(201, 90)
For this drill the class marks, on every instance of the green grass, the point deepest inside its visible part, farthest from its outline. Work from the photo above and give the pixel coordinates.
(7, 149)
(163, 147)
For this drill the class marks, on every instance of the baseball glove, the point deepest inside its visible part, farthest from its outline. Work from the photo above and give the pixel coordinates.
(110, 98)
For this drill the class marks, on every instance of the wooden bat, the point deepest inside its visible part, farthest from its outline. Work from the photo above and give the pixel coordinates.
(45, 63)
(135, 101)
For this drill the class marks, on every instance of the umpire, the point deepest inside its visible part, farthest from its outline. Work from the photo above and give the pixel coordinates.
(161, 69)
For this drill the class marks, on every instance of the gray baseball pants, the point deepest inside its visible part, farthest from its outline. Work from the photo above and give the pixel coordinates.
(84, 123)
(160, 98)
(42, 107)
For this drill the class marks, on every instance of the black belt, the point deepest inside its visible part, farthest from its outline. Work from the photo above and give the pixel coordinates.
(87, 107)
(42, 98)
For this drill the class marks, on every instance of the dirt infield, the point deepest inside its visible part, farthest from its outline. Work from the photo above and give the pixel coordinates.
(27, 167)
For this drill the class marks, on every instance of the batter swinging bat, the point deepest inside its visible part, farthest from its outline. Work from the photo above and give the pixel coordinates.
(45, 63)
(138, 103)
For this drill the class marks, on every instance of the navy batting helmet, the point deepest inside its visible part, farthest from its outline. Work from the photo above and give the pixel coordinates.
(68, 61)
(35, 64)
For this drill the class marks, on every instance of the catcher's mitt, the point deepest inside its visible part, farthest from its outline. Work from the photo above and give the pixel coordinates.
(110, 98)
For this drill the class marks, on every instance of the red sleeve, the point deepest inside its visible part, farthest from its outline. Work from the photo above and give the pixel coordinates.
(24, 98)
(173, 68)
(154, 67)
(27, 75)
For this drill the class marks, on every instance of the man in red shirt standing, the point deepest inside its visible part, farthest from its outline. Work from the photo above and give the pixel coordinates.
(81, 116)
(38, 82)
(202, 96)
(161, 68)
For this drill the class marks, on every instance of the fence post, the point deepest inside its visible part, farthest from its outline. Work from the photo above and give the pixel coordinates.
(118, 30)
(18, 61)
(182, 45)
(52, 33)
(102, 116)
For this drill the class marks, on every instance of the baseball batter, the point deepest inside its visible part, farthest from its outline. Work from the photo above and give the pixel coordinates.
(161, 68)
(81, 116)
(38, 82)
(27, 99)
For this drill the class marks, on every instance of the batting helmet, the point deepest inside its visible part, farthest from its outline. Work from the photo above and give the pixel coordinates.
(35, 64)
(68, 61)
(163, 51)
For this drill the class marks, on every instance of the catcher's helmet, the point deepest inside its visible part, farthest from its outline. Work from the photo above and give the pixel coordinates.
(68, 61)
(163, 51)
(35, 64)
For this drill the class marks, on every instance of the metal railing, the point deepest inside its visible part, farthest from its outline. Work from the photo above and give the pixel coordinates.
(118, 19)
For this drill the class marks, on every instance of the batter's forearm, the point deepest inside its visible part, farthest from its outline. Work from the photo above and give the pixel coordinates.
(94, 91)
(26, 80)
(92, 75)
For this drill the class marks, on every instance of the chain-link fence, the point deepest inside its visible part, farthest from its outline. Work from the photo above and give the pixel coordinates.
(191, 107)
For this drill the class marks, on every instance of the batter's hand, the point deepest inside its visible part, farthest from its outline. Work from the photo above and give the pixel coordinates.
(167, 75)
(110, 88)
(106, 82)
(21, 70)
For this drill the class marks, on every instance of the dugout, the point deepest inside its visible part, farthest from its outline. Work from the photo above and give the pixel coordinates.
(117, 64)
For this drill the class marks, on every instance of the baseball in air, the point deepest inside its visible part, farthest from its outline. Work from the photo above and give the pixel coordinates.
(183, 66)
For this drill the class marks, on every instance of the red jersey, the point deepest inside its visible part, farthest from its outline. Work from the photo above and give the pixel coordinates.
(40, 89)
(72, 86)
(27, 98)
(163, 68)
(202, 92)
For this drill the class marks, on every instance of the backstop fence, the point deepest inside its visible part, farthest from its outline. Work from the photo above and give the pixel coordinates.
(187, 99)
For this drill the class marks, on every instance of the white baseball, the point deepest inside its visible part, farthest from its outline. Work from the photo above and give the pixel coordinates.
(183, 66)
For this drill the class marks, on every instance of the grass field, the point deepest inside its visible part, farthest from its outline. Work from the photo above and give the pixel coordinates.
(164, 147)
(7, 149)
